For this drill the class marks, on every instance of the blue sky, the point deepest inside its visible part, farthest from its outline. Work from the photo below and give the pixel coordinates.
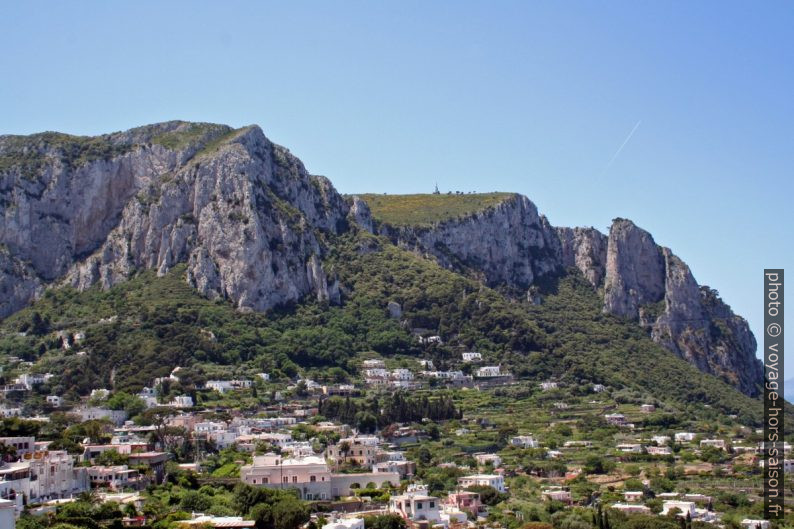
(534, 97)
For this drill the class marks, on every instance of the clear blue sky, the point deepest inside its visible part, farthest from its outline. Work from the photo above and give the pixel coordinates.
(534, 97)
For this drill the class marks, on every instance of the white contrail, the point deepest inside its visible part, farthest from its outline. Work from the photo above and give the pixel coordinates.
(614, 156)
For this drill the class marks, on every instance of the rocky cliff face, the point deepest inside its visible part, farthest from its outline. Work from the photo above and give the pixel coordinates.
(252, 225)
(509, 244)
(242, 212)
(585, 249)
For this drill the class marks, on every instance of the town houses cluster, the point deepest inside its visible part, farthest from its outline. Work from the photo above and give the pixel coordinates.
(349, 474)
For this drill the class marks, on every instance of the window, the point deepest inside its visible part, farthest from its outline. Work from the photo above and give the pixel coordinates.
(419, 505)
(294, 479)
(265, 480)
(432, 504)
(254, 481)
(286, 479)
(312, 478)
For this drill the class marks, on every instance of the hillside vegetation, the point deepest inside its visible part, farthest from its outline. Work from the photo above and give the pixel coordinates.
(143, 328)
(426, 209)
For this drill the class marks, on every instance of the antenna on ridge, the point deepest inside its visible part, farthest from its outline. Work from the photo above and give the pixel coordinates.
(436, 192)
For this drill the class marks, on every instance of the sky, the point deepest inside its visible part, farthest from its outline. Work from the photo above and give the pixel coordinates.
(677, 115)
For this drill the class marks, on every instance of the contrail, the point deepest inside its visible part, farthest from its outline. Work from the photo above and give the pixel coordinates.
(614, 156)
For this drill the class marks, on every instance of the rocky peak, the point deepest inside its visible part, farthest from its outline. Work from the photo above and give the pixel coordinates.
(634, 270)
(241, 211)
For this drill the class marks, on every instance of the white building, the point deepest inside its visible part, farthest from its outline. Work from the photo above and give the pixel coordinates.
(117, 417)
(749, 523)
(685, 437)
(472, 357)
(116, 477)
(182, 401)
(100, 393)
(557, 494)
(524, 441)
(616, 419)
(489, 372)
(309, 475)
(22, 444)
(204, 520)
(345, 523)
(222, 386)
(373, 363)
(715, 443)
(402, 374)
(28, 380)
(416, 505)
(54, 475)
(376, 372)
(685, 507)
(496, 481)
(548, 386)
(484, 459)
(55, 401)
(631, 508)
(633, 496)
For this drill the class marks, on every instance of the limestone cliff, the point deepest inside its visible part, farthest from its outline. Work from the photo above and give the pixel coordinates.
(242, 212)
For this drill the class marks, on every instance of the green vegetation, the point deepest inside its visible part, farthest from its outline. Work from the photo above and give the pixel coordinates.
(372, 414)
(31, 153)
(144, 327)
(426, 209)
(192, 133)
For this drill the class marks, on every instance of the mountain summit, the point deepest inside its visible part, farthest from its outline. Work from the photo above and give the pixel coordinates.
(252, 226)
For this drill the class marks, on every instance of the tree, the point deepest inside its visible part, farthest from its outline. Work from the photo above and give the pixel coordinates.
(195, 501)
(489, 495)
(384, 521)
(344, 448)
(112, 457)
(132, 404)
(598, 465)
(262, 514)
(289, 513)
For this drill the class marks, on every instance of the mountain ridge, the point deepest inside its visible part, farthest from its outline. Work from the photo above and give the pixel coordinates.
(253, 226)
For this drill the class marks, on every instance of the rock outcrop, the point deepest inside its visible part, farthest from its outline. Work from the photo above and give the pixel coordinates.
(508, 244)
(585, 249)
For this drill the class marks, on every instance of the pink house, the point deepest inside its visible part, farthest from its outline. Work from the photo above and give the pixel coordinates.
(464, 501)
